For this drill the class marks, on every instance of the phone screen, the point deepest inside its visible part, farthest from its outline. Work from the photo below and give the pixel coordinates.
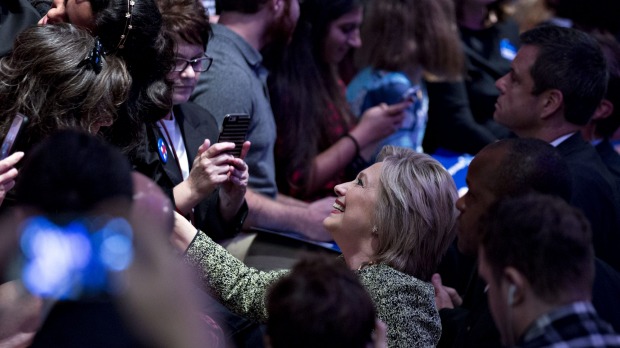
(414, 93)
(11, 135)
(234, 130)
(74, 260)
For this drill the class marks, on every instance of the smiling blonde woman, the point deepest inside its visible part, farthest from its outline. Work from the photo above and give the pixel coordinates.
(393, 223)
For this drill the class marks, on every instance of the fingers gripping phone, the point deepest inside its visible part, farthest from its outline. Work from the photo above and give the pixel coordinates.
(413, 94)
(7, 145)
(234, 130)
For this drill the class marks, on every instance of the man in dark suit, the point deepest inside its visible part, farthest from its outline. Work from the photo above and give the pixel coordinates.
(507, 168)
(557, 81)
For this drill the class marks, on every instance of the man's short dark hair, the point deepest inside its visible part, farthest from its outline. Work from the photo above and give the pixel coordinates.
(570, 61)
(545, 239)
(70, 173)
(530, 165)
(243, 6)
(321, 303)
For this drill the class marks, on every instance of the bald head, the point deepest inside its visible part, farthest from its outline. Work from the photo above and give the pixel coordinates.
(525, 165)
(508, 168)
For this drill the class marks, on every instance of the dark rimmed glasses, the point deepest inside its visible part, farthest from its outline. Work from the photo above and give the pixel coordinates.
(201, 64)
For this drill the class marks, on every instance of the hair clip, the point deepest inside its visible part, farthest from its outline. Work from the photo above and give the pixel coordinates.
(128, 26)
(94, 58)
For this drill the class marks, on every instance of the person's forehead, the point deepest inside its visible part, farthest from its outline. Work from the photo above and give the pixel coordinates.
(525, 58)
(483, 169)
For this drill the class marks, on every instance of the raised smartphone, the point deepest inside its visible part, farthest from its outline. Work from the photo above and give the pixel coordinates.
(7, 145)
(234, 130)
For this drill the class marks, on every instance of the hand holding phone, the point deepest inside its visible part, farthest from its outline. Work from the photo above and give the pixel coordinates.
(19, 121)
(234, 130)
(413, 94)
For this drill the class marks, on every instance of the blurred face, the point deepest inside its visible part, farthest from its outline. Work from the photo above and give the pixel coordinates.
(354, 207)
(497, 295)
(343, 34)
(517, 108)
(76, 12)
(476, 201)
(281, 31)
(185, 81)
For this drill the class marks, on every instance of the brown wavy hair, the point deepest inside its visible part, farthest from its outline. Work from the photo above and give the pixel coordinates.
(44, 79)
(405, 35)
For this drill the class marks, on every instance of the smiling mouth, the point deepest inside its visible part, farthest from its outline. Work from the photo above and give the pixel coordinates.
(338, 206)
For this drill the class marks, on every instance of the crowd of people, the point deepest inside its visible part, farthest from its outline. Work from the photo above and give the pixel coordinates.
(118, 200)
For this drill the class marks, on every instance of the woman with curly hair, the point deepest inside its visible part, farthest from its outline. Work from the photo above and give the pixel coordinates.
(131, 30)
(59, 78)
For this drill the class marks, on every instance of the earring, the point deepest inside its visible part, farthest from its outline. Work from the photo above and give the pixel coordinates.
(375, 229)
(511, 294)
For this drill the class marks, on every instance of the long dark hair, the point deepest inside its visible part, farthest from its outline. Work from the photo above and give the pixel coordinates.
(149, 58)
(303, 88)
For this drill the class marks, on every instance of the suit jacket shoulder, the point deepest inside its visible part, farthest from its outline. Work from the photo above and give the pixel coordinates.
(596, 193)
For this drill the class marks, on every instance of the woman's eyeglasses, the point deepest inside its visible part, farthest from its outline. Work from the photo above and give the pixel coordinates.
(199, 64)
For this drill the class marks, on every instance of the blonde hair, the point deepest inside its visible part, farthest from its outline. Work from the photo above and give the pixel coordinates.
(416, 212)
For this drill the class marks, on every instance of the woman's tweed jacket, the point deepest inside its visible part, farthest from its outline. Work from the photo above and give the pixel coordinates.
(404, 303)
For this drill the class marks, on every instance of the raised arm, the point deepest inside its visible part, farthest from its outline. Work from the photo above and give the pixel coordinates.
(288, 214)
(240, 288)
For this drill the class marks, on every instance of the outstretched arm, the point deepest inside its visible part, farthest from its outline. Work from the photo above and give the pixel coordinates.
(211, 168)
(240, 288)
(284, 215)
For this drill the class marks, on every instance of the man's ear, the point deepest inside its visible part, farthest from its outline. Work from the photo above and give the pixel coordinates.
(266, 341)
(603, 110)
(277, 6)
(515, 288)
(552, 101)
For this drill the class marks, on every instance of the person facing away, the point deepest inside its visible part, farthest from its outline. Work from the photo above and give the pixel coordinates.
(92, 243)
(400, 47)
(130, 30)
(320, 303)
(236, 83)
(557, 80)
(537, 259)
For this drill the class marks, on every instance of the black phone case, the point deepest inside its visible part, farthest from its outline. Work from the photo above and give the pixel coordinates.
(234, 130)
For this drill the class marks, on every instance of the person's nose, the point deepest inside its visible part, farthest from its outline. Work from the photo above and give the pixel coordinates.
(460, 204)
(501, 83)
(189, 72)
(355, 40)
(57, 13)
(341, 189)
